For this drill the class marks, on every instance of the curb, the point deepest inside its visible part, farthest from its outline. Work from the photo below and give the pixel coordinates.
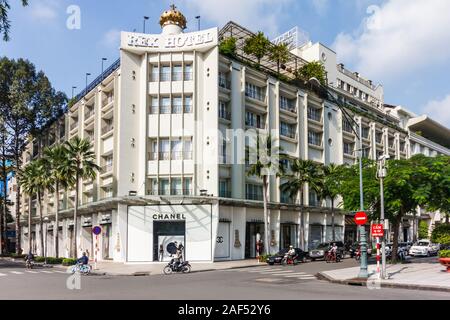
(363, 282)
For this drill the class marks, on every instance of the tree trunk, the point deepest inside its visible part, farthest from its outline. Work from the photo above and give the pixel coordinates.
(447, 218)
(41, 223)
(266, 218)
(29, 225)
(396, 226)
(332, 220)
(75, 212)
(18, 238)
(56, 227)
(3, 220)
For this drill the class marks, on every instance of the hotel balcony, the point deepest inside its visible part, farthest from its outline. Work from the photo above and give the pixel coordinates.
(315, 115)
(89, 115)
(107, 128)
(74, 126)
(106, 169)
(224, 83)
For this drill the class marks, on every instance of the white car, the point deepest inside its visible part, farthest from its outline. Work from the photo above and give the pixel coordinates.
(423, 248)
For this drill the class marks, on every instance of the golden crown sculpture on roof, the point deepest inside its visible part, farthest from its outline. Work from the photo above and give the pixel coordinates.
(173, 16)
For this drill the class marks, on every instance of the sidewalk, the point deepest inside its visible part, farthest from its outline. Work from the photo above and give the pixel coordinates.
(138, 269)
(417, 276)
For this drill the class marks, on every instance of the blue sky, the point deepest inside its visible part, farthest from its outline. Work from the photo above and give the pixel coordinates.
(403, 44)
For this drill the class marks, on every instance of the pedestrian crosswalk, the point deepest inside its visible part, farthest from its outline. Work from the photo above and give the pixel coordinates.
(9, 273)
(281, 272)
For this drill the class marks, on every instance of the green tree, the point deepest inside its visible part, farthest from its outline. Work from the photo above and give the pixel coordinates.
(228, 46)
(263, 156)
(279, 53)
(441, 234)
(314, 69)
(27, 104)
(423, 230)
(57, 160)
(5, 24)
(80, 165)
(328, 188)
(27, 183)
(257, 45)
(302, 172)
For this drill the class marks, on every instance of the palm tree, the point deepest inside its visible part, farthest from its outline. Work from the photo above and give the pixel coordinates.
(56, 158)
(80, 164)
(4, 22)
(279, 53)
(34, 181)
(329, 188)
(302, 172)
(263, 156)
(257, 45)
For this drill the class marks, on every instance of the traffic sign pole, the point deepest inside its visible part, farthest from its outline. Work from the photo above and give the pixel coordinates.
(96, 231)
(378, 258)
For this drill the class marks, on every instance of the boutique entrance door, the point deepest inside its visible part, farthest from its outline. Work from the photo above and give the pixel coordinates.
(165, 233)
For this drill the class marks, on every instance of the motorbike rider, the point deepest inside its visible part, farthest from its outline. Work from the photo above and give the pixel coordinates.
(29, 257)
(178, 255)
(333, 250)
(291, 253)
(84, 259)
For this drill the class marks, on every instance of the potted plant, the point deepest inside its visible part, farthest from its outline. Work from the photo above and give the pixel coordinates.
(444, 259)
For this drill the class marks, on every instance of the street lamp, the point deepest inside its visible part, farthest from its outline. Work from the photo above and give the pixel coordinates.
(198, 22)
(145, 19)
(73, 89)
(363, 269)
(87, 75)
(103, 60)
(45, 241)
(381, 175)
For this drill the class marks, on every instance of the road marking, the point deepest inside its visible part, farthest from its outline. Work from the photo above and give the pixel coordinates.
(2, 275)
(60, 271)
(294, 275)
(46, 271)
(16, 272)
(307, 278)
(281, 273)
(269, 270)
(31, 271)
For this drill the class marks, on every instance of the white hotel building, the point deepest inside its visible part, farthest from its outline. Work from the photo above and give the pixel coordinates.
(154, 118)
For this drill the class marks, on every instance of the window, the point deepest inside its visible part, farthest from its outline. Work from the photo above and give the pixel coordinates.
(253, 120)
(314, 114)
(223, 81)
(379, 137)
(188, 72)
(177, 187)
(164, 105)
(348, 148)
(314, 200)
(155, 74)
(287, 130)
(188, 149)
(177, 150)
(165, 73)
(346, 126)
(254, 192)
(187, 104)
(366, 152)
(254, 91)
(187, 189)
(164, 187)
(224, 188)
(223, 111)
(153, 155)
(223, 152)
(153, 187)
(177, 72)
(365, 132)
(287, 104)
(177, 104)
(315, 138)
(164, 149)
(155, 105)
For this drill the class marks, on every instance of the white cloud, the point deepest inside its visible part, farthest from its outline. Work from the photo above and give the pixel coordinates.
(399, 38)
(263, 15)
(111, 38)
(321, 6)
(44, 10)
(439, 110)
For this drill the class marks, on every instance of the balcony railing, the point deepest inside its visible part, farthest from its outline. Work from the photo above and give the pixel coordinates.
(187, 76)
(107, 128)
(164, 155)
(288, 133)
(224, 193)
(255, 95)
(254, 125)
(168, 192)
(224, 114)
(253, 196)
(224, 83)
(89, 114)
(315, 114)
(107, 168)
(347, 127)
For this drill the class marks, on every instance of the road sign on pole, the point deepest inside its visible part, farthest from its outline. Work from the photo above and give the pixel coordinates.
(361, 218)
(377, 230)
(96, 231)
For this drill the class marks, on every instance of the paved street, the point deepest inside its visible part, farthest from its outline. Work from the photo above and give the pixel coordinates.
(264, 282)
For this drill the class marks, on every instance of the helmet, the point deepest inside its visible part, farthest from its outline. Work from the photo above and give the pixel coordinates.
(291, 247)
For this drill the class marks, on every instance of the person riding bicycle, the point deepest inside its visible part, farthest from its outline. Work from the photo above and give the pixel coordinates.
(84, 259)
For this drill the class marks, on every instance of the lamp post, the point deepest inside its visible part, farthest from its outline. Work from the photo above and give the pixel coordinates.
(145, 19)
(87, 75)
(363, 241)
(103, 60)
(45, 241)
(198, 22)
(381, 175)
(73, 89)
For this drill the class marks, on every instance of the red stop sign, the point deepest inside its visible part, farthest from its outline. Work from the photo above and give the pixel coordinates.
(361, 218)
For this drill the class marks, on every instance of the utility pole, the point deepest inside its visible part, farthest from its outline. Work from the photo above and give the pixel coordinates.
(145, 19)
(198, 22)
(381, 175)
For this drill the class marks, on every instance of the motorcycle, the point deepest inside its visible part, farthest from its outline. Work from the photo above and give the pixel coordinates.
(173, 267)
(29, 264)
(332, 257)
(289, 260)
(357, 254)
